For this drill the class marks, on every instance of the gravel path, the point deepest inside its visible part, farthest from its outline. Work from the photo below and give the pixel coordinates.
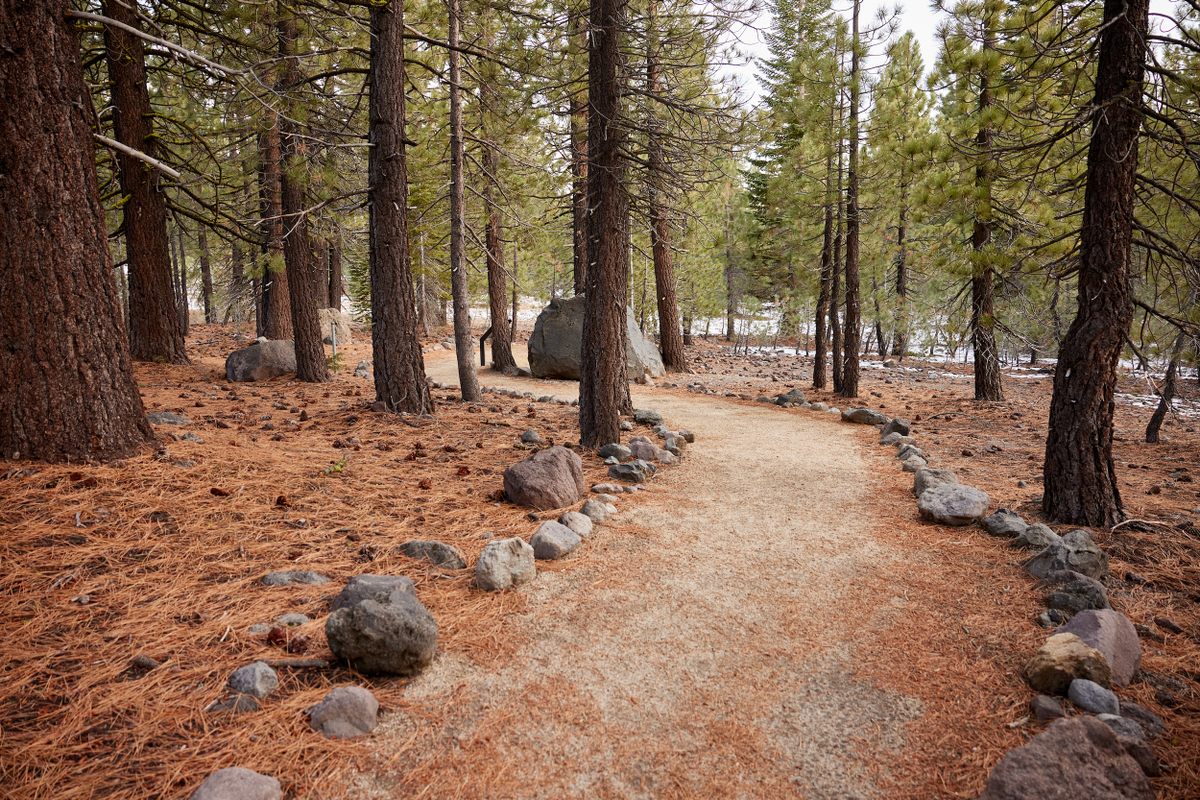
(706, 655)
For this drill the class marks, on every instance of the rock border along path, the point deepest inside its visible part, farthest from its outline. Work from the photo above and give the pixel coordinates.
(711, 653)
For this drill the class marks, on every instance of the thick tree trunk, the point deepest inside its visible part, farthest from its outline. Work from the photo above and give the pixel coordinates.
(400, 383)
(837, 342)
(68, 389)
(336, 287)
(670, 335)
(579, 163)
(1079, 475)
(821, 357)
(304, 285)
(983, 314)
(182, 301)
(206, 281)
(468, 381)
(276, 304)
(155, 333)
(604, 384)
(853, 333)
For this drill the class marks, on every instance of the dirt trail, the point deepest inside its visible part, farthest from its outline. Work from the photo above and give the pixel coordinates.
(708, 652)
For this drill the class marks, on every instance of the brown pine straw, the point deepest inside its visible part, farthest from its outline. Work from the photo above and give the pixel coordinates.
(170, 569)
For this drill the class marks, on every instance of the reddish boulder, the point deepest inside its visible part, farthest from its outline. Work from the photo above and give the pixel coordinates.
(550, 478)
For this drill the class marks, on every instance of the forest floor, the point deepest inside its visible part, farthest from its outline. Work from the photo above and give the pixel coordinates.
(769, 618)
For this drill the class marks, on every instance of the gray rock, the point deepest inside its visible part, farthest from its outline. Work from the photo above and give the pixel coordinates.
(897, 425)
(191, 437)
(864, 416)
(1076, 551)
(363, 370)
(396, 638)
(626, 425)
(167, 418)
(820, 406)
(556, 344)
(633, 472)
(928, 478)
(647, 416)
(437, 553)
(259, 628)
(579, 522)
(686, 435)
(261, 361)
(615, 450)
(334, 321)
(1150, 722)
(598, 510)
(648, 451)
(605, 498)
(553, 540)
(608, 488)
(1004, 523)
(1045, 707)
(1036, 537)
(291, 576)
(238, 783)
(505, 563)
(675, 445)
(953, 504)
(908, 450)
(292, 619)
(383, 589)
(550, 478)
(1072, 592)
(914, 463)
(531, 436)
(257, 680)
(889, 438)
(1114, 636)
(344, 713)
(1133, 738)
(1091, 696)
(1073, 759)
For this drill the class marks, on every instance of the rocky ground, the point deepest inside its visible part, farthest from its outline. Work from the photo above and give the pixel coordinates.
(769, 617)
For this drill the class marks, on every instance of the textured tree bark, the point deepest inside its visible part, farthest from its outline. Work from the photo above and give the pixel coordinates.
(502, 357)
(155, 333)
(336, 287)
(236, 307)
(670, 334)
(853, 332)
(68, 389)
(820, 334)
(468, 380)
(276, 311)
(206, 280)
(1079, 475)
(983, 313)
(900, 340)
(400, 383)
(579, 165)
(835, 282)
(604, 384)
(182, 302)
(1167, 393)
(305, 291)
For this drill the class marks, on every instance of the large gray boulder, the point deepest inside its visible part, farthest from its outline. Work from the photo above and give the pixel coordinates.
(503, 564)
(238, 783)
(550, 478)
(953, 504)
(1079, 758)
(1075, 551)
(557, 341)
(864, 416)
(394, 638)
(261, 361)
(553, 540)
(1004, 523)
(1112, 633)
(334, 321)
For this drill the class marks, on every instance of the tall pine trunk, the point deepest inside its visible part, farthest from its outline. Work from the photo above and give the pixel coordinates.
(275, 312)
(900, 321)
(155, 330)
(1079, 475)
(206, 280)
(837, 342)
(983, 313)
(604, 383)
(336, 288)
(468, 381)
(853, 331)
(579, 162)
(304, 290)
(400, 383)
(69, 393)
(670, 334)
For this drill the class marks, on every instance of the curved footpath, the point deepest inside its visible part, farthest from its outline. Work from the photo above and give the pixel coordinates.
(705, 655)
